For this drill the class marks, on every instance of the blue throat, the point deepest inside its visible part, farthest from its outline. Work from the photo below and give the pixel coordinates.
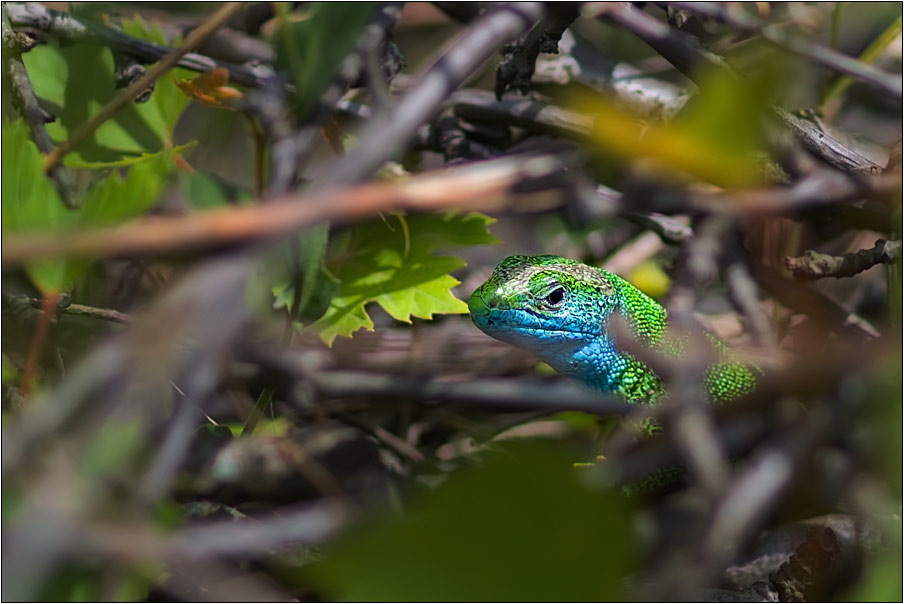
(595, 363)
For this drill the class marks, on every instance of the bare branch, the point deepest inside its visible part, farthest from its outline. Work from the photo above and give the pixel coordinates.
(813, 265)
(73, 29)
(516, 70)
(26, 101)
(739, 18)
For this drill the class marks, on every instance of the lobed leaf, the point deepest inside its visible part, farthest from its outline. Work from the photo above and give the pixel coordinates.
(391, 262)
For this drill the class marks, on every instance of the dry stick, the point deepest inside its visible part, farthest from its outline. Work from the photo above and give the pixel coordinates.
(475, 185)
(197, 36)
(813, 265)
(106, 314)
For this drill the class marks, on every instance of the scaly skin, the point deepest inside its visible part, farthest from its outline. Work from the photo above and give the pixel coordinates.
(559, 310)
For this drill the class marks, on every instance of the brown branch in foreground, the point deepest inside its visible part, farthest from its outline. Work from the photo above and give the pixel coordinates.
(141, 85)
(479, 185)
(813, 265)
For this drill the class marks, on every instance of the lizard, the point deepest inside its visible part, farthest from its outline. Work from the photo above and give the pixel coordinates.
(560, 310)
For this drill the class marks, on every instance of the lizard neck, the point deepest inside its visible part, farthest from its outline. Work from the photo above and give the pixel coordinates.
(595, 363)
(600, 366)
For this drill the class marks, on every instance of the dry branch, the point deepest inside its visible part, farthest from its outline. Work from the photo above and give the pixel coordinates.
(813, 265)
(73, 29)
(481, 185)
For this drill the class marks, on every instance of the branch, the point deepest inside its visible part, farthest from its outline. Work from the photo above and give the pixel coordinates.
(290, 151)
(473, 104)
(685, 53)
(494, 394)
(804, 299)
(517, 68)
(678, 48)
(385, 137)
(106, 314)
(479, 185)
(813, 265)
(140, 86)
(73, 29)
(738, 18)
(825, 146)
(26, 102)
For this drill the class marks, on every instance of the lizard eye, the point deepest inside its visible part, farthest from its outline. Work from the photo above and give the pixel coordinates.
(555, 297)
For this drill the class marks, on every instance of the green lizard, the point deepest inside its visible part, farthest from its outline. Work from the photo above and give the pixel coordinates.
(559, 310)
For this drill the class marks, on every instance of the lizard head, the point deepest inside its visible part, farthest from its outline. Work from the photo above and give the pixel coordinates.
(543, 304)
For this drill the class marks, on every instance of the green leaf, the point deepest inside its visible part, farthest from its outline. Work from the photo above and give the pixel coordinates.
(116, 198)
(76, 82)
(30, 201)
(312, 48)
(391, 262)
(520, 528)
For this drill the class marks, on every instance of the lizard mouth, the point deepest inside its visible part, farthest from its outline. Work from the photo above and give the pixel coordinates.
(549, 331)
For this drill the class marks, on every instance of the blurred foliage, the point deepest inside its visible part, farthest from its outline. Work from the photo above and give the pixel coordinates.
(521, 527)
(695, 142)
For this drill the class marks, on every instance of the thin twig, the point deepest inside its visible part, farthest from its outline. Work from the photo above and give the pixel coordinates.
(106, 314)
(81, 133)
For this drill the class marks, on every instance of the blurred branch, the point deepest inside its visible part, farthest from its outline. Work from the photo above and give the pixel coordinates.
(804, 299)
(139, 86)
(473, 104)
(482, 185)
(678, 48)
(495, 394)
(738, 17)
(385, 137)
(73, 29)
(819, 188)
(813, 265)
(745, 296)
(290, 152)
(688, 56)
(25, 100)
